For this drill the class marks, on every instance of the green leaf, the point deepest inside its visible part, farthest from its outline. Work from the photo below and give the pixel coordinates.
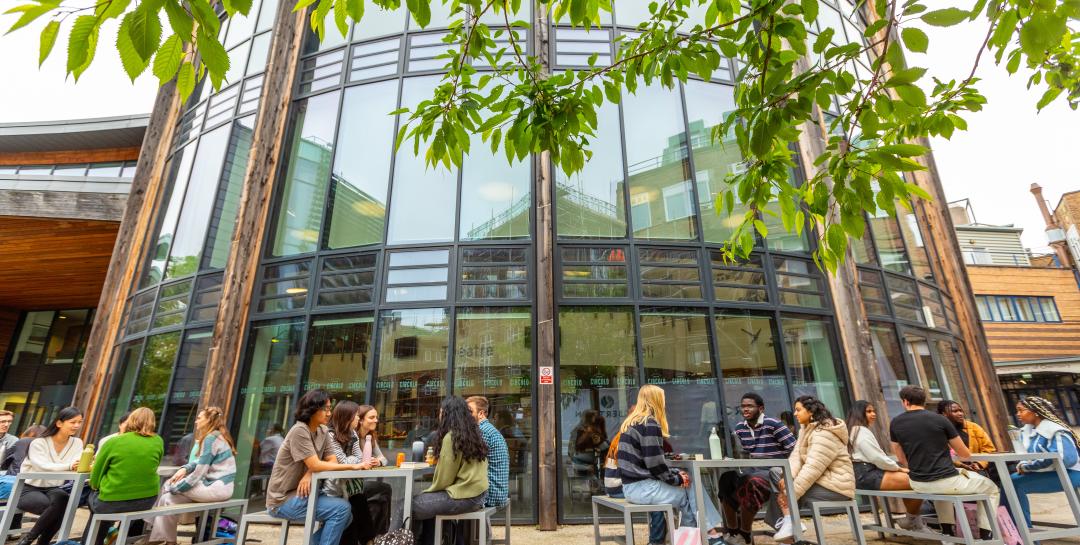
(168, 58)
(915, 39)
(143, 28)
(79, 41)
(111, 9)
(341, 17)
(945, 17)
(905, 77)
(421, 11)
(242, 6)
(1048, 97)
(213, 56)
(904, 150)
(185, 80)
(912, 95)
(181, 23)
(810, 9)
(1041, 32)
(48, 40)
(133, 63)
(30, 12)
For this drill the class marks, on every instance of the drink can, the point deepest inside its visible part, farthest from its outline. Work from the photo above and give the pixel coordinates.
(400, 458)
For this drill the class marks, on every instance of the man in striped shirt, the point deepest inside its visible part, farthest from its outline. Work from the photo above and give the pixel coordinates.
(759, 437)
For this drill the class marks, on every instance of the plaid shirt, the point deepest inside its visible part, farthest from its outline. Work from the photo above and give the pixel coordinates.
(498, 465)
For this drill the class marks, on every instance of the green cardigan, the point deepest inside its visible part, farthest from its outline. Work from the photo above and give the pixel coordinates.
(461, 480)
(126, 467)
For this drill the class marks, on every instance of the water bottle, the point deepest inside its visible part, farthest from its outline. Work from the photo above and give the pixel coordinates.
(716, 446)
(418, 451)
(86, 459)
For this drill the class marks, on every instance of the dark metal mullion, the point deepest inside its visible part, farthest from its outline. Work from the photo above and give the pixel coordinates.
(714, 351)
(639, 349)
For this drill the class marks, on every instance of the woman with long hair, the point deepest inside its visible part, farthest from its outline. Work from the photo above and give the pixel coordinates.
(58, 449)
(124, 477)
(378, 494)
(460, 483)
(646, 477)
(345, 449)
(1044, 431)
(974, 436)
(875, 470)
(207, 479)
(821, 467)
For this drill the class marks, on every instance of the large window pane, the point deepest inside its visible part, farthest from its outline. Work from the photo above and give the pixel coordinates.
(202, 187)
(661, 194)
(223, 218)
(889, 362)
(155, 371)
(909, 228)
(493, 358)
(424, 199)
(919, 352)
(411, 380)
(890, 244)
(178, 168)
(812, 363)
(675, 351)
(495, 195)
(339, 351)
(952, 373)
(32, 338)
(747, 348)
(589, 203)
(301, 209)
(362, 170)
(597, 382)
(267, 401)
(123, 383)
(780, 239)
(714, 159)
(179, 420)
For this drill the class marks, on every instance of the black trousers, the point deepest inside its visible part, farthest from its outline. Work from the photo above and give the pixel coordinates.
(370, 514)
(98, 505)
(49, 505)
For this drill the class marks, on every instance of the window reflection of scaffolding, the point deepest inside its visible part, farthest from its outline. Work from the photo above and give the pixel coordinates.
(576, 194)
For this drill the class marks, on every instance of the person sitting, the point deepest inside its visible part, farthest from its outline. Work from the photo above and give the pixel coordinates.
(124, 477)
(208, 479)
(821, 467)
(759, 437)
(646, 477)
(1043, 431)
(613, 487)
(921, 440)
(377, 493)
(303, 452)
(13, 459)
(460, 483)
(7, 440)
(345, 449)
(269, 446)
(874, 470)
(498, 455)
(57, 450)
(588, 440)
(973, 435)
(119, 430)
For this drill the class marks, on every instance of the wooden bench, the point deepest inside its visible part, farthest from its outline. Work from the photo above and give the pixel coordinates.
(628, 509)
(262, 517)
(881, 497)
(211, 510)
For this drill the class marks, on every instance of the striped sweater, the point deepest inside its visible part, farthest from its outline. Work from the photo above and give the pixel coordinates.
(215, 463)
(641, 455)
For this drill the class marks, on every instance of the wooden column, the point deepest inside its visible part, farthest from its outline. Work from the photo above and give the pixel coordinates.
(850, 315)
(255, 202)
(954, 280)
(547, 433)
(137, 225)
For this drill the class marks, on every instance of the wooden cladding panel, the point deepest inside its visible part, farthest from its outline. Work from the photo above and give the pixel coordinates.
(1032, 341)
(1057, 283)
(47, 263)
(69, 156)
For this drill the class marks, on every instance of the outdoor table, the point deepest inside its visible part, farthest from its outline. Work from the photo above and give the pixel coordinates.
(78, 482)
(695, 468)
(409, 474)
(1034, 534)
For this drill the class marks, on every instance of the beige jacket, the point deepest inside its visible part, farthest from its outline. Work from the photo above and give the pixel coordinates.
(821, 457)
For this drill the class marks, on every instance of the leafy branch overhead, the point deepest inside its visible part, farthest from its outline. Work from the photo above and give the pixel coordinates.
(794, 76)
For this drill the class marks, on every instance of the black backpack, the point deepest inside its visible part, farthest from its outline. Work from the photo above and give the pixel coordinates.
(401, 536)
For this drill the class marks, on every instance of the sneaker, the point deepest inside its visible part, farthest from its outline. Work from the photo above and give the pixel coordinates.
(785, 531)
(913, 524)
(735, 539)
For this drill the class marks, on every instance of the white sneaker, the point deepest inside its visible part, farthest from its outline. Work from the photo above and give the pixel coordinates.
(785, 532)
(913, 524)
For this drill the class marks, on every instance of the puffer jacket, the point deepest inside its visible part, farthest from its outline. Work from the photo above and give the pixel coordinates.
(821, 457)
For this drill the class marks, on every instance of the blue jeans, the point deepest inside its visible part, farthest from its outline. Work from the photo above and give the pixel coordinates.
(656, 492)
(1038, 483)
(657, 526)
(7, 482)
(335, 514)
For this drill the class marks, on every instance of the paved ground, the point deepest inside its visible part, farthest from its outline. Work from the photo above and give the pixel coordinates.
(1051, 508)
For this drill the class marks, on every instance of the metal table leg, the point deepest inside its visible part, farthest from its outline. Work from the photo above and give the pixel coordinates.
(72, 506)
(793, 503)
(699, 501)
(309, 519)
(9, 511)
(1014, 502)
(406, 510)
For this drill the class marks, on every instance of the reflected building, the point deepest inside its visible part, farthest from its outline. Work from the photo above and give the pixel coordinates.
(286, 250)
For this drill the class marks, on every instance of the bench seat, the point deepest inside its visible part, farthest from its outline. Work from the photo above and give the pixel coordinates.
(879, 496)
(125, 519)
(628, 509)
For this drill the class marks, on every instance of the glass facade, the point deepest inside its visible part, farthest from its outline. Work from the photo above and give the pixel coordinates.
(394, 284)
